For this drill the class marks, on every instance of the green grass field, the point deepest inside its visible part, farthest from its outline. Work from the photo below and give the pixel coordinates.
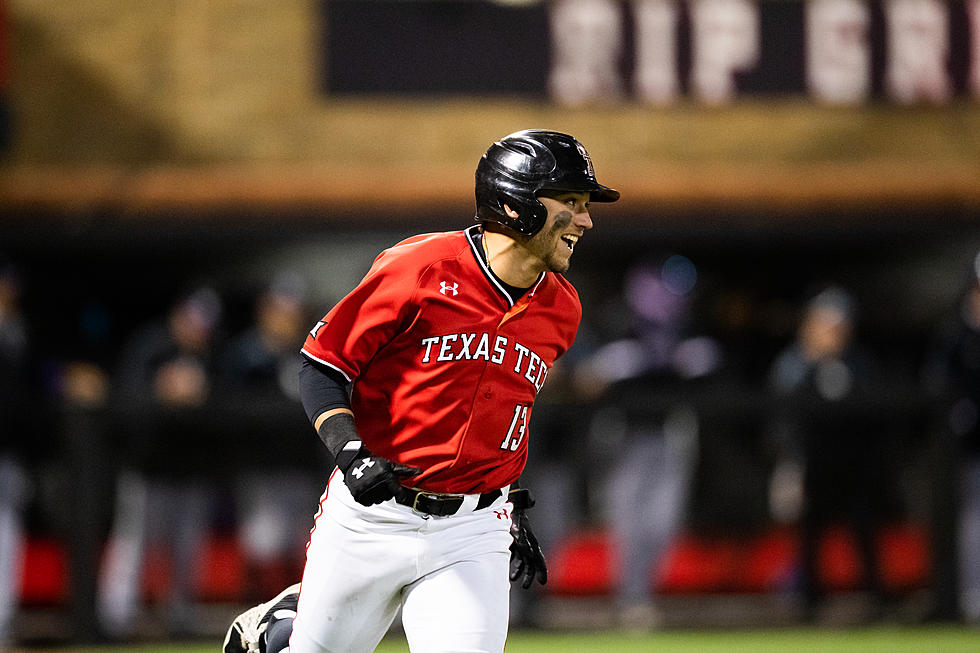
(946, 639)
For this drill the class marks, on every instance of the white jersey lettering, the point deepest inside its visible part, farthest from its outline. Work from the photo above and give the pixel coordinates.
(428, 342)
(531, 366)
(542, 375)
(521, 352)
(499, 350)
(445, 351)
(467, 338)
(453, 347)
(483, 347)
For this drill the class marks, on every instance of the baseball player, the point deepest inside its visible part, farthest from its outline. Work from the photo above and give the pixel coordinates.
(421, 384)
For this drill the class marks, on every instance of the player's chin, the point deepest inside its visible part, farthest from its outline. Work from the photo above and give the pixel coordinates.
(560, 263)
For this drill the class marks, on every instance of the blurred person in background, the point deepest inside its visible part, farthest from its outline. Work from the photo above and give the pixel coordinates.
(163, 489)
(558, 473)
(14, 483)
(651, 455)
(82, 386)
(829, 468)
(952, 380)
(279, 467)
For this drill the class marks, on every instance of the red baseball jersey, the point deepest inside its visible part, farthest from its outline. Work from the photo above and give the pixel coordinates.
(444, 365)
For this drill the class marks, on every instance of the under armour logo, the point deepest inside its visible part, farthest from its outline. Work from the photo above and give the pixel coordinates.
(359, 471)
(502, 513)
(445, 288)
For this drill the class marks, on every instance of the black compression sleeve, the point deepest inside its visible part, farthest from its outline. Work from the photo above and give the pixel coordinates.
(321, 389)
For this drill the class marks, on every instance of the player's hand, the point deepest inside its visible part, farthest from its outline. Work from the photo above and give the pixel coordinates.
(526, 559)
(372, 479)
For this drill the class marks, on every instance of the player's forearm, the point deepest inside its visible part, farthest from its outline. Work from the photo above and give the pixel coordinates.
(327, 404)
(323, 417)
(338, 433)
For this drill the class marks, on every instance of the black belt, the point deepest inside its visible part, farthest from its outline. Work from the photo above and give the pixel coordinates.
(441, 505)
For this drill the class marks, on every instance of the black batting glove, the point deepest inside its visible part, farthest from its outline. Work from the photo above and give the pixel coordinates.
(526, 559)
(372, 479)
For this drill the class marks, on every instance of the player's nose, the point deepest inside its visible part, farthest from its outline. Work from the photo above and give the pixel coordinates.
(583, 219)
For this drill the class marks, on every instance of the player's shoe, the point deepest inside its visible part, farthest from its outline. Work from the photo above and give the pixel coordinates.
(245, 633)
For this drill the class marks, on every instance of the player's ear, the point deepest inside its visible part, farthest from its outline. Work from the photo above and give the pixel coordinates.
(511, 213)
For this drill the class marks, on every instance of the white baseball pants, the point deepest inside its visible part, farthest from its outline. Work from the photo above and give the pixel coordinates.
(449, 576)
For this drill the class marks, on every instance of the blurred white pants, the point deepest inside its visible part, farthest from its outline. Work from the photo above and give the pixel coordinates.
(13, 493)
(969, 541)
(147, 511)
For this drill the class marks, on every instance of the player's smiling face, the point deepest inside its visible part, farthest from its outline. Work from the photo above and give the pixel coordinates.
(568, 219)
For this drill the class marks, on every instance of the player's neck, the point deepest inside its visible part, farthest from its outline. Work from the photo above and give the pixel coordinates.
(509, 260)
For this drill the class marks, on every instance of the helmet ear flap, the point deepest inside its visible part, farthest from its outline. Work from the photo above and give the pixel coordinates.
(531, 214)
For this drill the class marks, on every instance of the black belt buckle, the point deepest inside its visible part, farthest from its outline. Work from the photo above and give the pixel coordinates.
(438, 505)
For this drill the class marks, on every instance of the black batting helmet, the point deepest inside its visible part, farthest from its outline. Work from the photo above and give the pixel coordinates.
(519, 165)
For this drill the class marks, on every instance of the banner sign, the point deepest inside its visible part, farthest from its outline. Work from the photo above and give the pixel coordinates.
(655, 51)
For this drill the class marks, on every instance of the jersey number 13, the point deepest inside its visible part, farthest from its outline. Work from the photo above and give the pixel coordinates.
(518, 427)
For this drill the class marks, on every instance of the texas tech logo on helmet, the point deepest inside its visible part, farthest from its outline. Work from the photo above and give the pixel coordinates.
(588, 161)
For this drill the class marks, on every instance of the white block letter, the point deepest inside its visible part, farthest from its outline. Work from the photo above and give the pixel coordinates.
(838, 54)
(918, 49)
(655, 77)
(586, 44)
(725, 41)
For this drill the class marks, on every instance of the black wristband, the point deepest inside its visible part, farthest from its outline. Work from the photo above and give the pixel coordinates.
(351, 451)
(341, 439)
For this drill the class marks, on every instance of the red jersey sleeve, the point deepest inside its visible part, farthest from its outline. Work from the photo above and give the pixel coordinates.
(367, 318)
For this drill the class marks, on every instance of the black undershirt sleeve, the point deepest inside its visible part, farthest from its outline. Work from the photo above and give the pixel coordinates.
(321, 389)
